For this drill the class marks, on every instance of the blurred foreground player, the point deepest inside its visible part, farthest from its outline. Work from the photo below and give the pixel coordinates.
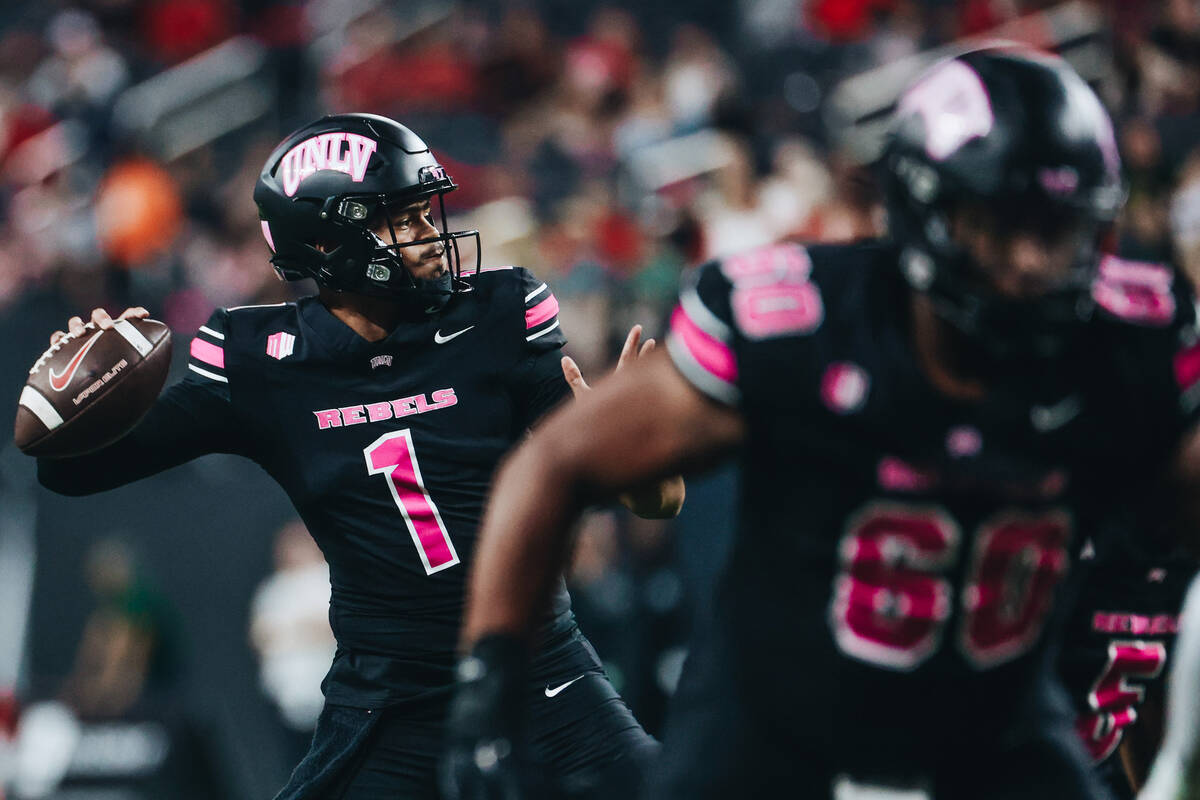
(1117, 648)
(382, 406)
(1175, 774)
(924, 426)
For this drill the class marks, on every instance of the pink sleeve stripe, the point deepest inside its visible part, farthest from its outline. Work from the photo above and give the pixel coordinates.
(711, 353)
(1187, 367)
(541, 312)
(208, 353)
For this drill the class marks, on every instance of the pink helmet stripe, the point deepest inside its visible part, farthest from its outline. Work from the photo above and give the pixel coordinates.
(266, 229)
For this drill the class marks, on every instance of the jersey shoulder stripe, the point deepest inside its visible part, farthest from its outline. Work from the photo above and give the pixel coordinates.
(260, 305)
(207, 350)
(540, 306)
(707, 361)
(1139, 293)
(472, 273)
(777, 299)
(539, 312)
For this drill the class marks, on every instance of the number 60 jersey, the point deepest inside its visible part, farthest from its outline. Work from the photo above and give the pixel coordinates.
(899, 553)
(386, 449)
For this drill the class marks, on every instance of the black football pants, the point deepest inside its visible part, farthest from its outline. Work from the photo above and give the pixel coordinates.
(584, 739)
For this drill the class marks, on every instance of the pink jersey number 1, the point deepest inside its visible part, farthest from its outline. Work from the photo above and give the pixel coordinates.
(393, 454)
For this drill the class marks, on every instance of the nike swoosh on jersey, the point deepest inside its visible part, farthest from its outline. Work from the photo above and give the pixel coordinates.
(554, 692)
(61, 380)
(437, 337)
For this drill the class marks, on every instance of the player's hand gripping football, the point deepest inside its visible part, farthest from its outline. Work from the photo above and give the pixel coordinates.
(661, 500)
(101, 319)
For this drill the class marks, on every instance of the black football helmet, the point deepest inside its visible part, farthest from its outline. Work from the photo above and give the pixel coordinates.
(1020, 137)
(329, 183)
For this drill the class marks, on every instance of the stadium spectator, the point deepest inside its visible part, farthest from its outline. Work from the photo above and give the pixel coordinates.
(289, 628)
(129, 652)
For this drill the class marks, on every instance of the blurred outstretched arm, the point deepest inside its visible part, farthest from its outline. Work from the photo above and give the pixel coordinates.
(644, 424)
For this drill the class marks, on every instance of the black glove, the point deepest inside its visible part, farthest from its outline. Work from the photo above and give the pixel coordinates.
(482, 759)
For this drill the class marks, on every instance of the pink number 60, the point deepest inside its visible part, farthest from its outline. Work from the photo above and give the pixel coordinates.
(393, 454)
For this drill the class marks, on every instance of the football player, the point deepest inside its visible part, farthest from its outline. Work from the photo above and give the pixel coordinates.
(1116, 647)
(382, 406)
(1175, 774)
(924, 425)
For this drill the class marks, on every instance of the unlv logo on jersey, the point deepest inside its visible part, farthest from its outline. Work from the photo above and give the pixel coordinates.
(280, 345)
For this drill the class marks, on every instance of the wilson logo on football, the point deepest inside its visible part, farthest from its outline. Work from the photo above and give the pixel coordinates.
(61, 380)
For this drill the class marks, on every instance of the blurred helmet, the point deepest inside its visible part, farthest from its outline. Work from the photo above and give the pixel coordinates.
(328, 183)
(1017, 137)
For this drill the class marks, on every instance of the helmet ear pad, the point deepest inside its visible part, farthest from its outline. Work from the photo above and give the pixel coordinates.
(325, 249)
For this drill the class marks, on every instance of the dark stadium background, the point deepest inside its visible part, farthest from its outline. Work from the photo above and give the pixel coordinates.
(607, 146)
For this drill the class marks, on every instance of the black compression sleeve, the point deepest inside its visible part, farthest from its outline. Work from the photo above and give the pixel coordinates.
(540, 386)
(190, 419)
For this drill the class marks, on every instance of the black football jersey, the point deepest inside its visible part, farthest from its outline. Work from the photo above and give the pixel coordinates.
(900, 553)
(1118, 641)
(387, 449)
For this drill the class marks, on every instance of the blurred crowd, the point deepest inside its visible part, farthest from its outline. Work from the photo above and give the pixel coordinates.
(606, 146)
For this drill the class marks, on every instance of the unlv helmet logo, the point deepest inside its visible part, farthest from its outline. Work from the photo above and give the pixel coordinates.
(954, 104)
(342, 152)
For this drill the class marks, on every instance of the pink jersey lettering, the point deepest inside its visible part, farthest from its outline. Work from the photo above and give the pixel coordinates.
(377, 412)
(329, 418)
(381, 411)
(444, 398)
(404, 407)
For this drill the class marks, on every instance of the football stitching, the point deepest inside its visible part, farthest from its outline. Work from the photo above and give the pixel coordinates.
(54, 348)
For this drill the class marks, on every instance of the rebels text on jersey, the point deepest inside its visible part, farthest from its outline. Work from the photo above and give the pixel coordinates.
(385, 448)
(899, 553)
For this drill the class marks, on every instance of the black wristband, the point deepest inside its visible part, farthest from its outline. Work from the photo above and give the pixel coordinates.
(491, 678)
(497, 654)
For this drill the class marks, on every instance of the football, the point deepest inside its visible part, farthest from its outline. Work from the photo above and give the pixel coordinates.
(87, 391)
